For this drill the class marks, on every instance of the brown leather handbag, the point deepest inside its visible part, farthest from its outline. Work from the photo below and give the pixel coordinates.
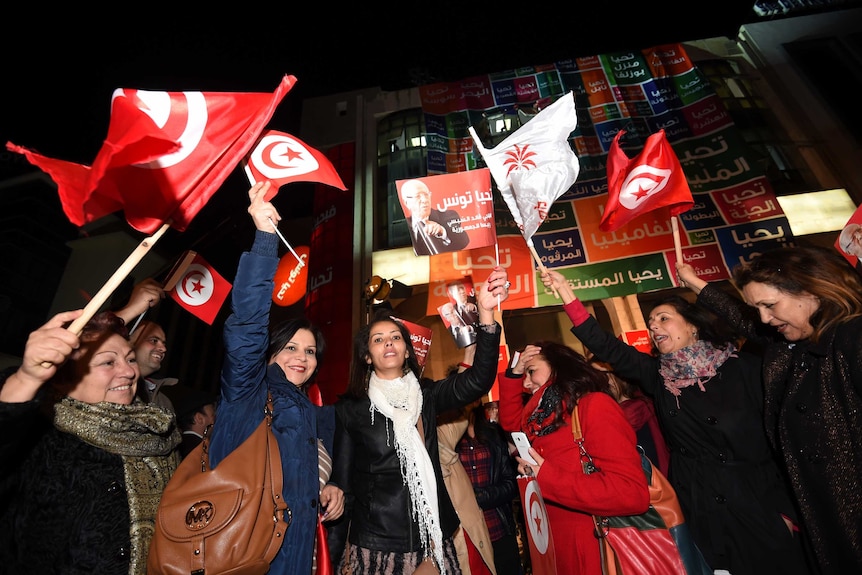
(227, 520)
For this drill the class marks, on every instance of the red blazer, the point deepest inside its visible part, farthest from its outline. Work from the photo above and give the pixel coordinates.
(570, 495)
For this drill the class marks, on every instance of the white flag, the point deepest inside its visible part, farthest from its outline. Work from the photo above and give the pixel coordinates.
(536, 164)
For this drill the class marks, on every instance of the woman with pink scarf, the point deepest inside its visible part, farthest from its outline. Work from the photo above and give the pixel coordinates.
(708, 396)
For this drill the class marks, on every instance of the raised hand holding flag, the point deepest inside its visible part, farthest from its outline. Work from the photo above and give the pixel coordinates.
(653, 179)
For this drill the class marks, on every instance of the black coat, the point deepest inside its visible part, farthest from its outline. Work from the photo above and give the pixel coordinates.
(366, 465)
(456, 238)
(503, 489)
(69, 513)
(813, 416)
(726, 477)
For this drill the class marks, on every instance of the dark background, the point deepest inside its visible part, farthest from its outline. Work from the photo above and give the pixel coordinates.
(62, 65)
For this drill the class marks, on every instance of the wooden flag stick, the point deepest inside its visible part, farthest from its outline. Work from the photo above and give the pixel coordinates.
(115, 280)
(674, 223)
(539, 262)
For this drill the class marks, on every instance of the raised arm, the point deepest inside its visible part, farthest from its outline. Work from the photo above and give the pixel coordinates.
(688, 278)
(146, 294)
(46, 349)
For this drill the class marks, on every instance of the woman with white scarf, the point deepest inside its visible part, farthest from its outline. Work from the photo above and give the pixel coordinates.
(386, 456)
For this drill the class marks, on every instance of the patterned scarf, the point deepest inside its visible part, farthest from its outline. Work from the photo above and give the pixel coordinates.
(539, 416)
(145, 437)
(697, 363)
(400, 400)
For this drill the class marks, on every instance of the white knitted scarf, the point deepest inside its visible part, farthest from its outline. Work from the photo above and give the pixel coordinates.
(400, 400)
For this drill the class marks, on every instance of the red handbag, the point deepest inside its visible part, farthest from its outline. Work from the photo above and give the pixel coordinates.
(655, 542)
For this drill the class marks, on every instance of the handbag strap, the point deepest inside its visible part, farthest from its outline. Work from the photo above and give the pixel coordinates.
(268, 410)
(576, 426)
(586, 459)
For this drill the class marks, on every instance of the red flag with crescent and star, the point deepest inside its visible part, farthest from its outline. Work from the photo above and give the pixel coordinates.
(165, 155)
(200, 289)
(653, 179)
(542, 553)
(282, 158)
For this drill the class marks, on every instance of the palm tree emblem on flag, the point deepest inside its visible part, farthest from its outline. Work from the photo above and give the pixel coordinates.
(519, 158)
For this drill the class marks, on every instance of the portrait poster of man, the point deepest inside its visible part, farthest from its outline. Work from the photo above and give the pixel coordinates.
(849, 241)
(462, 296)
(420, 339)
(462, 333)
(449, 212)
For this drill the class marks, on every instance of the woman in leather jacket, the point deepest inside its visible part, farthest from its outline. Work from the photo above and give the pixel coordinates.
(386, 456)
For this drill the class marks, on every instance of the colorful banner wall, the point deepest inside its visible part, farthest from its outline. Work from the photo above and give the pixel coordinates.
(735, 215)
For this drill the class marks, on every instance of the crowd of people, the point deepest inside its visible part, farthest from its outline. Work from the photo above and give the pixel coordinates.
(751, 403)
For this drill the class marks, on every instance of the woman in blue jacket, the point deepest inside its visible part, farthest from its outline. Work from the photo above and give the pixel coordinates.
(283, 362)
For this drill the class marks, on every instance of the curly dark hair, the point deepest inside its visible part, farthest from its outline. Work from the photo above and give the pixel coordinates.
(359, 368)
(571, 377)
(709, 326)
(820, 272)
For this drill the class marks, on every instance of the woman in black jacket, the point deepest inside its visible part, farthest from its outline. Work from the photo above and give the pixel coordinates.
(385, 454)
(809, 301)
(84, 460)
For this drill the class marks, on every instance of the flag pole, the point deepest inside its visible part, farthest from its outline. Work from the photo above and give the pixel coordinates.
(539, 262)
(674, 223)
(115, 280)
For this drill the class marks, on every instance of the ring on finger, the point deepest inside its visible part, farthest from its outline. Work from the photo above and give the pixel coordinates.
(507, 285)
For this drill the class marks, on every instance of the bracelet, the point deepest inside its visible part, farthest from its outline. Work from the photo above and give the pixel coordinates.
(465, 365)
(489, 327)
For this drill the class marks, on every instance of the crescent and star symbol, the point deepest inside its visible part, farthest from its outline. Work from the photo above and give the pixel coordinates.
(196, 287)
(537, 518)
(279, 156)
(641, 183)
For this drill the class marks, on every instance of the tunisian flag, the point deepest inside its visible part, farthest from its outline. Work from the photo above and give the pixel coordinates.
(282, 158)
(200, 289)
(541, 542)
(653, 179)
(165, 155)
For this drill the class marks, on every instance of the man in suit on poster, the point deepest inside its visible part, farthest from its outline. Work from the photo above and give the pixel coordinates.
(461, 294)
(431, 230)
(462, 333)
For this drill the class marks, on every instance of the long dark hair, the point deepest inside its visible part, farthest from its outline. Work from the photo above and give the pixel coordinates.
(283, 332)
(360, 370)
(709, 327)
(821, 272)
(571, 377)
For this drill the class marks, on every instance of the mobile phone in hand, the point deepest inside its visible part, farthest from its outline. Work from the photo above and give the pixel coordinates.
(523, 445)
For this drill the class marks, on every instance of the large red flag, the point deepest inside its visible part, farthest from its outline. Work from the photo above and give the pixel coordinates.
(653, 179)
(201, 290)
(282, 158)
(165, 155)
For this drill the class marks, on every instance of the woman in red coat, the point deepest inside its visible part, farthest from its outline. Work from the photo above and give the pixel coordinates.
(558, 378)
